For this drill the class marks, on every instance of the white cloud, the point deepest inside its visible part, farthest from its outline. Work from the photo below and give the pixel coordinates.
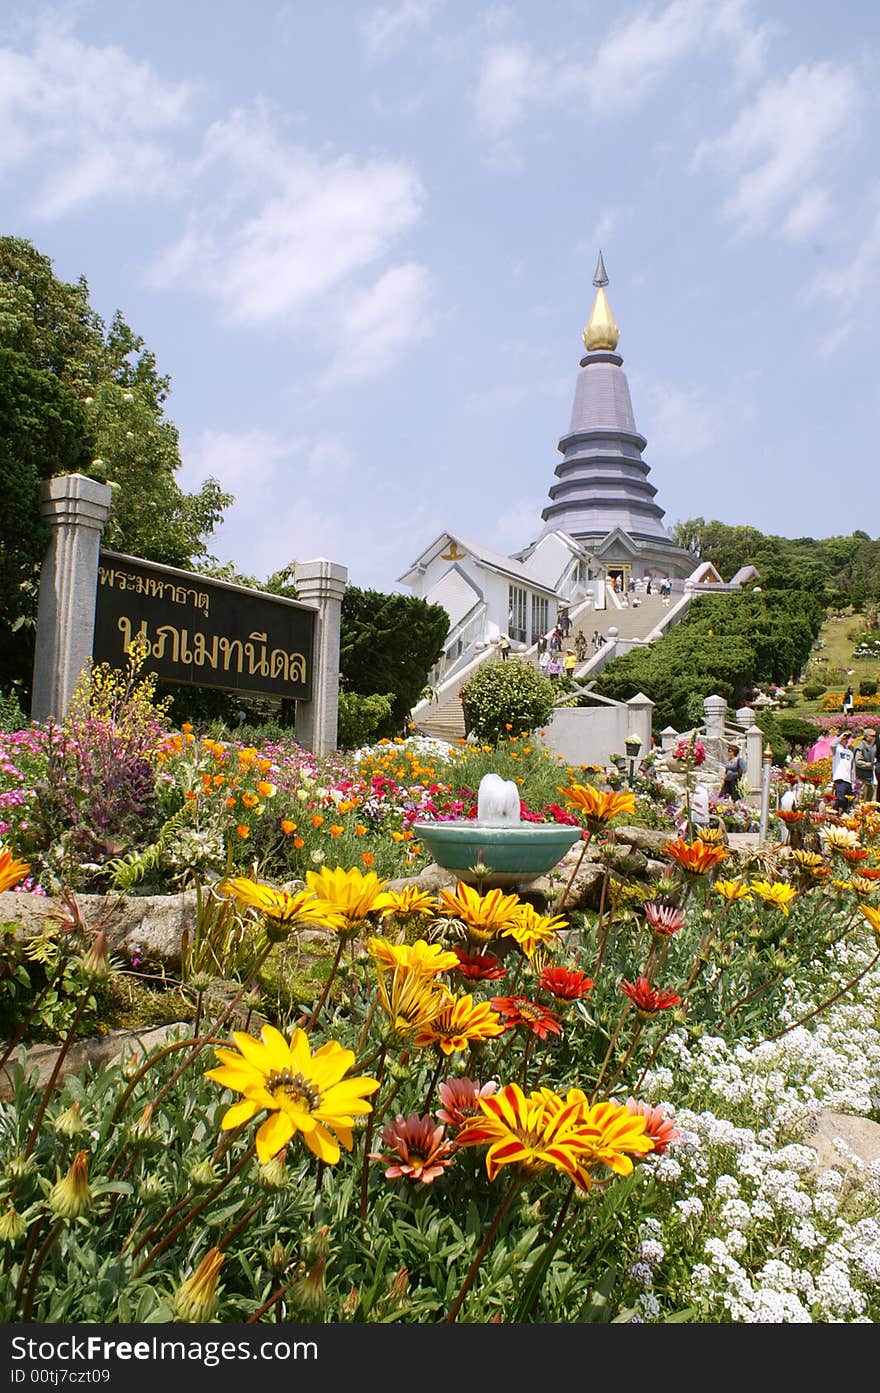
(388, 27)
(378, 322)
(809, 212)
(512, 79)
(681, 422)
(241, 462)
(850, 284)
(781, 142)
(519, 524)
(89, 119)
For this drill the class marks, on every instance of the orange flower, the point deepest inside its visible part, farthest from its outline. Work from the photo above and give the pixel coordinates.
(695, 858)
(360, 830)
(368, 858)
(597, 806)
(336, 829)
(12, 871)
(649, 1000)
(250, 800)
(317, 819)
(243, 831)
(298, 843)
(231, 800)
(287, 826)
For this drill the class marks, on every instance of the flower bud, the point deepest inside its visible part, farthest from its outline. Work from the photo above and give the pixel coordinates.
(309, 1293)
(129, 1063)
(12, 1226)
(95, 964)
(152, 1190)
(317, 1244)
(202, 1174)
(70, 1122)
(142, 1132)
(196, 1297)
(71, 1197)
(273, 1173)
(350, 1305)
(277, 1259)
(19, 1167)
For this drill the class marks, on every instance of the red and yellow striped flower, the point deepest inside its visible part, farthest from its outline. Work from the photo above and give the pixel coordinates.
(460, 1024)
(695, 858)
(598, 806)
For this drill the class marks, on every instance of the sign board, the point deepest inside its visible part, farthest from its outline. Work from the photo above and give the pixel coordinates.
(203, 632)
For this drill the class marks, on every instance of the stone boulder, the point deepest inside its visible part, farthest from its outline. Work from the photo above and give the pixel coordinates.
(151, 926)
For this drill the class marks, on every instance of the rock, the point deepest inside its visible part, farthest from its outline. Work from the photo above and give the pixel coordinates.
(85, 1055)
(861, 1138)
(650, 840)
(150, 925)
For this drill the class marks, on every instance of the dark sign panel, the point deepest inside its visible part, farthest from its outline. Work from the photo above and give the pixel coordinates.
(201, 631)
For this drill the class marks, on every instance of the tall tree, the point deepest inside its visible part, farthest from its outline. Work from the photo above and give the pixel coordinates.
(389, 644)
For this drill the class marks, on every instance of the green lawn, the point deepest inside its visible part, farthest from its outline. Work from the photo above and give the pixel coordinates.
(839, 638)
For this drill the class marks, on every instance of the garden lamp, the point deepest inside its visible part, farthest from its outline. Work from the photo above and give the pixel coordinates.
(633, 743)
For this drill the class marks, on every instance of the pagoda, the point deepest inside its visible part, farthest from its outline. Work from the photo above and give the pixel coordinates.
(603, 498)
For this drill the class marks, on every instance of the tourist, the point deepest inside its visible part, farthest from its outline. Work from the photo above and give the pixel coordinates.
(580, 645)
(848, 701)
(542, 644)
(569, 662)
(554, 667)
(556, 640)
(864, 762)
(842, 771)
(543, 662)
(504, 646)
(595, 640)
(734, 769)
(700, 806)
(565, 623)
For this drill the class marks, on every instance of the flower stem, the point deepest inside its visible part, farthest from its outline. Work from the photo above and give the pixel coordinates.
(825, 1004)
(310, 1022)
(368, 1138)
(53, 1079)
(484, 1247)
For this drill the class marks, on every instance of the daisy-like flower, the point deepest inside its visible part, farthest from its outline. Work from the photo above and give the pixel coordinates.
(410, 902)
(532, 930)
(695, 858)
(864, 886)
(790, 815)
(281, 910)
(598, 807)
(426, 959)
(649, 1000)
(566, 984)
(301, 1091)
(12, 870)
(196, 1297)
(609, 1133)
(411, 1001)
(519, 1010)
(839, 838)
(659, 1127)
(810, 862)
(731, 890)
(484, 916)
(777, 892)
(460, 1024)
(854, 854)
(414, 1148)
(869, 872)
(873, 918)
(460, 1098)
(478, 966)
(665, 919)
(354, 894)
(710, 834)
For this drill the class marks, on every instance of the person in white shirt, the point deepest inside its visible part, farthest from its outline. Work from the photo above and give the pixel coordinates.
(842, 772)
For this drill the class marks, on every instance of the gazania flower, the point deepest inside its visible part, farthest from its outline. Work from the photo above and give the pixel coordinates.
(731, 890)
(790, 815)
(710, 834)
(854, 854)
(665, 919)
(649, 1000)
(695, 858)
(809, 861)
(532, 930)
(282, 909)
(597, 806)
(609, 1133)
(840, 838)
(518, 1010)
(353, 894)
(484, 916)
(478, 966)
(776, 892)
(302, 1092)
(660, 1129)
(864, 886)
(460, 1024)
(460, 1098)
(410, 901)
(410, 1000)
(196, 1297)
(426, 959)
(414, 1148)
(523, 1131)
(869, 872)
(72, 1196)
(566, 984)
(12, 870)
(873, 918)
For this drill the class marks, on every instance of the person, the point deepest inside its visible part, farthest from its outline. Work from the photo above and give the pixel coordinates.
(842, 772)
(556, 640)
(734, 768)
(542, 644)
(700, 806)
(569, 662)
(580, 645)
(543, 662)
(864, 762)
(595, 638)
(504, 646)
(554, 667)
(848, 701)
(565, 623)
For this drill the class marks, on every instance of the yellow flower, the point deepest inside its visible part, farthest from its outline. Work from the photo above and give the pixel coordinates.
(460, 1024)
(12, 870)
(531, 929)
(250, 800)
(410, 1000)
(71, 1197)
(281, 909)
(732, 890)
(776, 893)
(484, 916)
(428, 959)
(196, 1297)
(597, 806)
(809, 861)
(302, 1092)
(354, 894)
(839, 838)
(410, 901)
(695, 858)
(265, 789)
(873, 918)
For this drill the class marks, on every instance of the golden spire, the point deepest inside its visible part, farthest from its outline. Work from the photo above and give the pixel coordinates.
(601, 331)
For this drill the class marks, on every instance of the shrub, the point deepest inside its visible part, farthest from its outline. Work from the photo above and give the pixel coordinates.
(813, 690)
(867, 688)
(768, 723)
(506, 699)
(360, 718)
(797, 730)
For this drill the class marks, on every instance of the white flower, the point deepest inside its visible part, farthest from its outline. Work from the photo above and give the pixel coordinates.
(318, 856)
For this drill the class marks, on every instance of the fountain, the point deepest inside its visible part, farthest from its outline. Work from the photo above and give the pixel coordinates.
(513, 852)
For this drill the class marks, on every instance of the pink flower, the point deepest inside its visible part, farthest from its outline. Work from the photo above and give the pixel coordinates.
(461, 1099)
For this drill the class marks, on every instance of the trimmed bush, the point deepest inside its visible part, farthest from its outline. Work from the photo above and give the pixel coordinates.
(797, 730)
(867, 688)
(813, 690)
(506, 699)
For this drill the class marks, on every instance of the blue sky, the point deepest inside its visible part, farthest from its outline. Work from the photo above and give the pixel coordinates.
(361, 238)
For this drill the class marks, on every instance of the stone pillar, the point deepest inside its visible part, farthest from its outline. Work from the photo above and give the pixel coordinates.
(640, 710)
(715, 711)
(76, 509)
(745, 717)
(321, 583)
(668, 737)
(754, 756)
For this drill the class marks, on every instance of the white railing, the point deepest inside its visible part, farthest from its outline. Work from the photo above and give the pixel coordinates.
(459, 639)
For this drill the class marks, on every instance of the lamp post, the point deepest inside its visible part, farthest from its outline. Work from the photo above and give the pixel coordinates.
(765, 793)
(633, 743)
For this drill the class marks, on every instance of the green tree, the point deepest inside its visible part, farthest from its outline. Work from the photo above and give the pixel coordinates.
(504, 700)
(389, 644)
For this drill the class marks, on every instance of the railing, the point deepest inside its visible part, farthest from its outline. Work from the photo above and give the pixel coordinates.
(459, 639)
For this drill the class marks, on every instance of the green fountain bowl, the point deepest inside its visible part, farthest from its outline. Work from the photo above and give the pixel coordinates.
(512, 855)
